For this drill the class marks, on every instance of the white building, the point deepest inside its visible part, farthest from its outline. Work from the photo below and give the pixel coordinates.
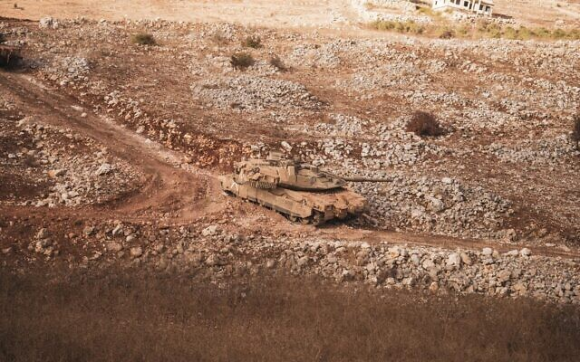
(482, 7)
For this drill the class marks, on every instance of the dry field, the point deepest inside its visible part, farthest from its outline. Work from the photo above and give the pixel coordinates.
(110, 151)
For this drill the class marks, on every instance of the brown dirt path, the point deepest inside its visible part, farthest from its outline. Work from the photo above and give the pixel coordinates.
(167, 190)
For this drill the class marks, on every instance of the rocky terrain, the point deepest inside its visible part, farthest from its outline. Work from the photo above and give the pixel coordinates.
(110, 152)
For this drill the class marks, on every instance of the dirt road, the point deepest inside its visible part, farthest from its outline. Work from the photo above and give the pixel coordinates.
(167, 189)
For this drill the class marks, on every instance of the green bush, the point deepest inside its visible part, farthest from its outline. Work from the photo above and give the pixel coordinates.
(525, 33)
(510, 33)
(542, 33)
(559, 34)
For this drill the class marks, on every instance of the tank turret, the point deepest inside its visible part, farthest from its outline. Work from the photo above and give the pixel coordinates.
(275, 171)
(299, 190)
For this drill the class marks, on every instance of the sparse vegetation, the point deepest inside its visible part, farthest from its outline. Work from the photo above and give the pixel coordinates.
(276, 62)
(483, 29)
(424, 124)
(219, 39)
(122, 317)
(253, 42)
(242, 60)
(143, 39)
(446, 33)
(398, 26)
(576, 129)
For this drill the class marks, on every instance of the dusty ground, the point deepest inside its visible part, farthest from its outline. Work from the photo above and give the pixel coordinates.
(110, 150)
(279, 14)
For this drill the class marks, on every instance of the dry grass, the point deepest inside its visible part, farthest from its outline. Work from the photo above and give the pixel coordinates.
(424, 124)
(146, 318)
(483, 29)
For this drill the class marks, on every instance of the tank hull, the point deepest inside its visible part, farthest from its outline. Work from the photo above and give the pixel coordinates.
(304, 206)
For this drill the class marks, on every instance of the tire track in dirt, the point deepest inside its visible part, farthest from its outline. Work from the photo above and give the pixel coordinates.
(167, 189)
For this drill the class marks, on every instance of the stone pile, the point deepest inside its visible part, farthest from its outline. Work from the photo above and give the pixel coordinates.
(250, 93)
(72, 180)
(441, 206)
(216, 253)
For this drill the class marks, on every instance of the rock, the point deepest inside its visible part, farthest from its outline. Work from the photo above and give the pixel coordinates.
(136, 252)
(118, 230)
(394, 252)
(56, 173)
(7, 250)
(89, 231)
(454, 260)
(510, 235)
(512, 253)
(447, 180)
(212, 260)
(286, 146)
(428, 264)
(130, 238)
(436, 204)
(434, 287)
(303, 261)
(465, 258)
(48, 23)
(42, 233)
(520, 288)
(504, 276)
(104, 169)
(114, 246)
(487, 251)
(210, 230)
(525, 252)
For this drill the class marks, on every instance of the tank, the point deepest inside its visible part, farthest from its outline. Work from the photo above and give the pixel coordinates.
(300, 191)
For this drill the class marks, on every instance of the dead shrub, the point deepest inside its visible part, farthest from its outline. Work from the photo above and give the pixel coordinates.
(242, 60)
(446, 34)
(277, 63)
(576, 129)
(143, 39)
(219, 38)
(9, 57)
(424, 124)
(253, 42)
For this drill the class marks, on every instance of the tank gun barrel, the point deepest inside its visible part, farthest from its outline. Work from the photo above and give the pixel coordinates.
(366, 179)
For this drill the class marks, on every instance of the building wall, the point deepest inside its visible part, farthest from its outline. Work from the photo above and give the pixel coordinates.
(467, 5)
